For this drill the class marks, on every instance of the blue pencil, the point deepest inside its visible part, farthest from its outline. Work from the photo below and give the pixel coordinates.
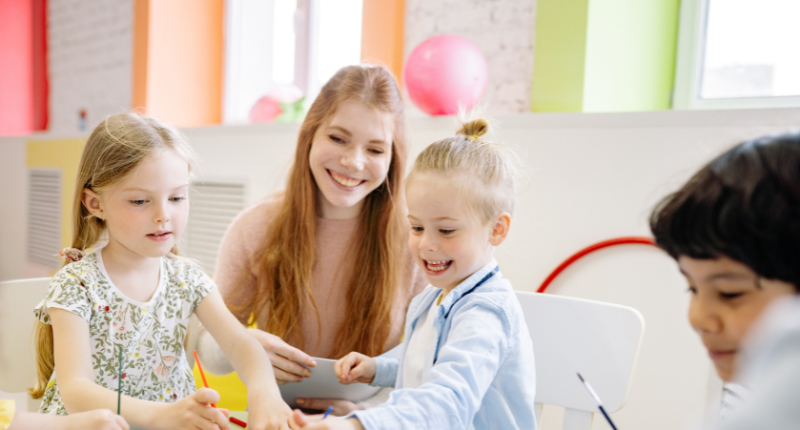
(597, 400)
(328, 412)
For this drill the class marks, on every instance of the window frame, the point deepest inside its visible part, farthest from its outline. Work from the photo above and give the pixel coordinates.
(689, 64)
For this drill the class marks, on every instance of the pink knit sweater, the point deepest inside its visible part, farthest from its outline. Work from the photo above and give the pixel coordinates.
(237, 271)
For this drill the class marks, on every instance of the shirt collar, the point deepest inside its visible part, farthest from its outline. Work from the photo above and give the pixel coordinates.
(466, 286)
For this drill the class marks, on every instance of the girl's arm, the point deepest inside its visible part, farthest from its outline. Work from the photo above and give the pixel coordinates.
(93, 420)
(80, 393)
(266, 407)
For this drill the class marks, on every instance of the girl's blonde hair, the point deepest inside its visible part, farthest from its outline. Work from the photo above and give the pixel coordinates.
(115, 148)
(376, 268)
(487, 170)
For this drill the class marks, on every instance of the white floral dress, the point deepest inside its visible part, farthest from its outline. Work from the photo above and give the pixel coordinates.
(151, 334)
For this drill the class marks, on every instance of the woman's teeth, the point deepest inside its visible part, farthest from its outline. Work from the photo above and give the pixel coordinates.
(437, 266)
(345, 181)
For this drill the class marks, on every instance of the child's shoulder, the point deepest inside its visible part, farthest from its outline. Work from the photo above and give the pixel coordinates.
(497, 296)
(183, 269)
(87, 265)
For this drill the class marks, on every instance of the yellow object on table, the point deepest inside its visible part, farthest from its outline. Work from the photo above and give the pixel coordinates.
(7, 408)
(231, 389)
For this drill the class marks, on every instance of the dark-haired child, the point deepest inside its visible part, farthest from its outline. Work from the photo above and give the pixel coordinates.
(734, 230)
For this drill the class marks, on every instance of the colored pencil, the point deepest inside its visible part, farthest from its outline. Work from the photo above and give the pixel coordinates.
(205, 384)
(202, 375)
(238, 422)
(597, 400)
(119, 385)
(328, 412)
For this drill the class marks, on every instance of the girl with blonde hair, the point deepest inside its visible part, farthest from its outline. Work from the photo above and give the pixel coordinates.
(115, 317)
(467, 358)
(322, 268)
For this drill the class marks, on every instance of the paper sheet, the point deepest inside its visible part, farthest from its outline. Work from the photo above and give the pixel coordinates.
(323, 384)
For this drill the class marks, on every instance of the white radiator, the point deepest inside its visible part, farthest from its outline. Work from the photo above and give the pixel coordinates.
(213, 207)
(44, 216)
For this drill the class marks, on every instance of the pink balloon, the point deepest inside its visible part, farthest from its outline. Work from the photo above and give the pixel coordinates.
(266, 109)
(444, 73)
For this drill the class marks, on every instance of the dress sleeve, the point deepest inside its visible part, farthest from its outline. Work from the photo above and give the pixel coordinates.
(67, 291)
(199, 285)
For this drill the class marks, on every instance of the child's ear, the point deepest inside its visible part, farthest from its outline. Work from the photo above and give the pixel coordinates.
(91, 201)
(500, 229)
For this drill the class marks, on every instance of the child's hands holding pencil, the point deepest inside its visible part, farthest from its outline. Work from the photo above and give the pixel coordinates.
(195, 412)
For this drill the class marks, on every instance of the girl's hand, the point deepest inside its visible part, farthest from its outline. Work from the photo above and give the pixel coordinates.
(267, 412)
(355, 367)
(102, 419)
(284, 357)
(340, 407)
(301, 421)
(195, 412)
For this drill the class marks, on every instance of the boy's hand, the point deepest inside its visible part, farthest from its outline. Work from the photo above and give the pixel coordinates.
(340, 407)
(355, 367)
(195, 412)
(102, 419)
(267, 412)
(301, 421)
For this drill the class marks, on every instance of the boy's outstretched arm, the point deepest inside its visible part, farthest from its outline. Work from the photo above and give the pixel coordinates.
(466, 367)
(355, 367)
(267, 409)
(301, 421)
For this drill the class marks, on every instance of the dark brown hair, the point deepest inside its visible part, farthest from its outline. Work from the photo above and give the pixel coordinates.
(745, 205)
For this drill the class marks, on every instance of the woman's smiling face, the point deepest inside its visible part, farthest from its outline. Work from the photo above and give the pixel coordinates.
(727, 298)
(350, 157)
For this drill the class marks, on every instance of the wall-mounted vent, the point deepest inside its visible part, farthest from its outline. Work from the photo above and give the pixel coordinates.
(44, 216)
(213, 207)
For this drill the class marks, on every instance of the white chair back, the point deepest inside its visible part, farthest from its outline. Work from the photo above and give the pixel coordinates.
(599, 340)
(17, 354)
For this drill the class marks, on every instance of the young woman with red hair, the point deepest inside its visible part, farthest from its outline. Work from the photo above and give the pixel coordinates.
(323, 268)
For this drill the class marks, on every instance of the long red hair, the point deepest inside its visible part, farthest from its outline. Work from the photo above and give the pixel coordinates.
(284, 281)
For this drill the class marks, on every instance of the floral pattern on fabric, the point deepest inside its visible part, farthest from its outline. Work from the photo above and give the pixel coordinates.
(151, 334)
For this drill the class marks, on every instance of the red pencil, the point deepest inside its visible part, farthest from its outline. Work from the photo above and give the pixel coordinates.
(202, 375)
(238, 422)
(205, 384)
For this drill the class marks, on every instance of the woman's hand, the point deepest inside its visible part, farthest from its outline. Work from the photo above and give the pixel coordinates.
(284, 357)
(355, 367)
(301, 421)
(195, 412)
(267, 412)
(340, 407)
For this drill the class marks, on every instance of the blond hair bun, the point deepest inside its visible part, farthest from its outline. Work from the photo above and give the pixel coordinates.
(474, 129)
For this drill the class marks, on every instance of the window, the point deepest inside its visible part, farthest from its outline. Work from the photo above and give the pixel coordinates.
(738, 54)
(275, 44)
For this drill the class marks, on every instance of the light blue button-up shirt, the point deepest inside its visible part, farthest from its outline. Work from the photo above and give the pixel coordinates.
(479, 372)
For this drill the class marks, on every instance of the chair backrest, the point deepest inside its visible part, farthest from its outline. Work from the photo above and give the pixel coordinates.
(17, 359)
(599, 340)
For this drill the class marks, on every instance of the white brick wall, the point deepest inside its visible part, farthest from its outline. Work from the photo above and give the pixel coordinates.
(502, 29)
(90, 55)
